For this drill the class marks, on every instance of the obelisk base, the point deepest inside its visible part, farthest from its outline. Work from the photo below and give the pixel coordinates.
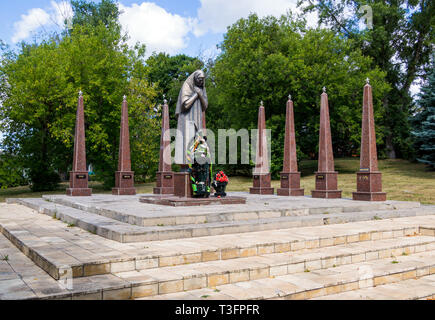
(182, 185)
(326, 186)
(290, 184)
(261, 184)
(164, 183)
(124, 183)
(78, 184)
(369, 187)
(79, 192)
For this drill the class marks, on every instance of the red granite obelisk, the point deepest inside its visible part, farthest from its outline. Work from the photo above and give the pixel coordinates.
(165, 176)
(124, 177)
(290, 177)
(78, 177)
(326, 176)
(261, 173)
(369, 179)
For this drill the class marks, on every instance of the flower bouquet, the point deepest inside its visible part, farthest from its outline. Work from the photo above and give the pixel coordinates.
(219, 184)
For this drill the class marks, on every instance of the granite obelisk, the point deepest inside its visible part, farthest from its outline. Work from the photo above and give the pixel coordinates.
(78, 177)
(124, 177)
(326, 176)
(261, 173)
(165, 176)
(290, 177)
(369, 179)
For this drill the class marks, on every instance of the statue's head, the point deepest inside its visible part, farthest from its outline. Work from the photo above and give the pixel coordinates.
(199, 78)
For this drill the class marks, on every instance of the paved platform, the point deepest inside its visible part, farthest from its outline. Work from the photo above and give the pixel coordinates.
(305, 262)
(125, 219)
(173, 201)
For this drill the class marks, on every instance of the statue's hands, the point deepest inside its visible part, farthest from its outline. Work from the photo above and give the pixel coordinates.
(197, 90)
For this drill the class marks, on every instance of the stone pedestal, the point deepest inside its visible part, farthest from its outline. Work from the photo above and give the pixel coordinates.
(261, 184)
(182, 185)
(78, 177)
(290, 177)
(165, 176)
(369, 179)
(326, 185)
(326, 176)
(369, 186)
(290, 184)
(78, 184)
(164, 183)
(261, 174)
(124, 177)
(124, 182)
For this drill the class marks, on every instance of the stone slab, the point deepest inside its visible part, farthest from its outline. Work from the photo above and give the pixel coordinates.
(188, 202)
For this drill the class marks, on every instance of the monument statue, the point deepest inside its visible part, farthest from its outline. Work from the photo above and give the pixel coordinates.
(190, 114)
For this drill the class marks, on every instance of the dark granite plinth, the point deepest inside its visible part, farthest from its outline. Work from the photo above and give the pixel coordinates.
(182, 185)
(261, 184)
(290, 184)
(184, 202)
(123, 191)
(164, 183)
(326, 185)
(369, 196)
(369, 186)
(79, 192)
(78, 184)
(326, 194)
(124, 183)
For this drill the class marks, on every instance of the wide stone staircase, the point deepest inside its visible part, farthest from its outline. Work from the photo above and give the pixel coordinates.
(385, 258)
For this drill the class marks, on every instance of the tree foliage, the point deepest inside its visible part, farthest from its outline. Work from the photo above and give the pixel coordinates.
(424, 121)
(268, 59)
(40, 91)
(399, 43)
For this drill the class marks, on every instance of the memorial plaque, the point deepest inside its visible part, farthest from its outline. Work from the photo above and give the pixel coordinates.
(256, 177)
(320, 177)
(80, 176)
(126, 176)
(364, 170)
(284, 177)
(168, 176)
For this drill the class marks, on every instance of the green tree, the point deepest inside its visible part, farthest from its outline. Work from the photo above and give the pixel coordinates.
(399, 43)
(268, 59)
(424, 121)
(39, 100)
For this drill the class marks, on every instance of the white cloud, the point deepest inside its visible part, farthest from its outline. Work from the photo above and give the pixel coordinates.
(30, 22)
(154, 26)
(216, 15)
(38, 18)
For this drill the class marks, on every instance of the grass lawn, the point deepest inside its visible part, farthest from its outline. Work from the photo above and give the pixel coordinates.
(402, 180)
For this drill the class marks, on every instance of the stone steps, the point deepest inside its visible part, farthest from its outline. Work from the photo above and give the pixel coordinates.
(323, 283)
(302, 263)
(146, 215)
(52, 245)
(215, 273)
(422, 288)
(128, 233)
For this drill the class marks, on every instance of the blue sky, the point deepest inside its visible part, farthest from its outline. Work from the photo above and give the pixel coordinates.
(193, 27)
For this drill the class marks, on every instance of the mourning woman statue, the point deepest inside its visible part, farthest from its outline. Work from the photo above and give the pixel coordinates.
(191, 105)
